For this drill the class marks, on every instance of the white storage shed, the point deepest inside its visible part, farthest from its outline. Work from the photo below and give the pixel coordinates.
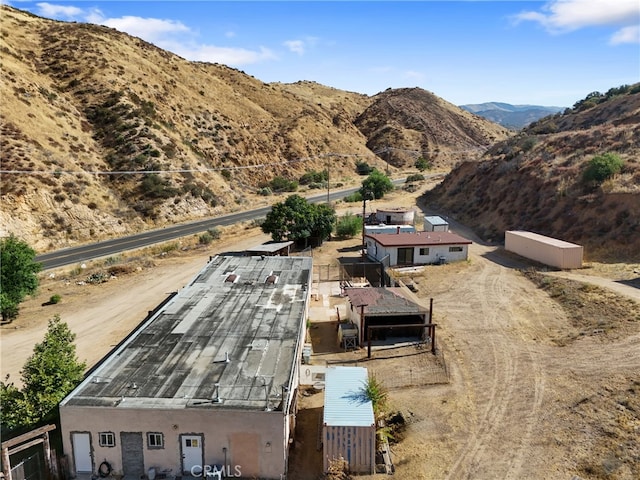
(547, 250)
(395, 216)
(349, 429)
(434, 223)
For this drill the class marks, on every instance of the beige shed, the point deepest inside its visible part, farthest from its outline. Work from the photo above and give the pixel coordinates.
(547, 250)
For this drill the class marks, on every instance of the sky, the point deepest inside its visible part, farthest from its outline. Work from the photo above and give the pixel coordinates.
(551, 53)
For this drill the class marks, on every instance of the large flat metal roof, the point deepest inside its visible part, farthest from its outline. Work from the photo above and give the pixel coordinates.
(229, 339)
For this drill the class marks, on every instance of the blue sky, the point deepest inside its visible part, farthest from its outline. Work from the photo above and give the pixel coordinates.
(543, 53)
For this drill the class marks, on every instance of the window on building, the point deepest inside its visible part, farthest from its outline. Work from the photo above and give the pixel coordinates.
(107, 439)
(155, 440)
(424, 251)
(455, 249)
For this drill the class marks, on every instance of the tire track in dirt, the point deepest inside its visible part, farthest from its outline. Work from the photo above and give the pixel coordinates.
(517, 385)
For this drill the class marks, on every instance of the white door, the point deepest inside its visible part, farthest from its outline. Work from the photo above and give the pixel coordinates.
(192, 455)
(82, 452)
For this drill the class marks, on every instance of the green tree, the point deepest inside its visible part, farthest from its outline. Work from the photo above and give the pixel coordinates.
(602, 167)
(348, 226)
(376, 184)
(48, 375)
(324, 219)
(19, 275)
(298, 220)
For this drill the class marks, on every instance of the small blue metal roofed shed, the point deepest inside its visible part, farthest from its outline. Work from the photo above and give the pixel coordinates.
(434, 223)
(349, 430)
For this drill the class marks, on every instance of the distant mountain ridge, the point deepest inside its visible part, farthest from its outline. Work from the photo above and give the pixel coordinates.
(511, 116)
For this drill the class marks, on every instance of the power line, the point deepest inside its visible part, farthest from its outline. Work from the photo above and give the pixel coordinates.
(218, 169)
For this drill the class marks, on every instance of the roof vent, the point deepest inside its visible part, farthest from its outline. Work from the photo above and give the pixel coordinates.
(271, 279)
(216, 394)
(232, 278)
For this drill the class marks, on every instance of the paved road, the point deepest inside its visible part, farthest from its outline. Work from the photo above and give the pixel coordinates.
(83, 253)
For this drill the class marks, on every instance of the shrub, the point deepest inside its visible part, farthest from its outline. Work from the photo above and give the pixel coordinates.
(363, 168)
(314, 177)
(54, 299)
(209, 236)
(416, 177)
(205, 238)
(354, 197)
(602, 167)
(281, 184)
(423, 164)
(265, 191)
(348, 226)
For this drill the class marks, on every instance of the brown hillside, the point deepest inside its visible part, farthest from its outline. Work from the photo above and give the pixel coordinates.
(85, 107)
(535, 182)
(412, 120)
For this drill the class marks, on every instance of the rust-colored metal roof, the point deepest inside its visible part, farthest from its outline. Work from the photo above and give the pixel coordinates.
(382, 301)
(415, 239)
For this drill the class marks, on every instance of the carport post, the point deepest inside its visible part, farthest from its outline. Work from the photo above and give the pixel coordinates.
(433, 340)
(368, 342)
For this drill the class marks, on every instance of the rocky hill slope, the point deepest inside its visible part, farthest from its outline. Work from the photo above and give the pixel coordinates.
(535, 181)
(104, 134)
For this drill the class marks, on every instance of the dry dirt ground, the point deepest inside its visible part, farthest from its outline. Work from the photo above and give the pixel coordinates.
(520, 404)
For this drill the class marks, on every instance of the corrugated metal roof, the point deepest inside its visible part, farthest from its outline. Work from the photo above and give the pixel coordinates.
(415, 239)
(216, 339)
(382, 301)
(436, 220)
(344, 401)
(544, 239)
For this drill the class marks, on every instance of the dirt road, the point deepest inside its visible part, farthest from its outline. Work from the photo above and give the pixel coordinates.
(510, 409)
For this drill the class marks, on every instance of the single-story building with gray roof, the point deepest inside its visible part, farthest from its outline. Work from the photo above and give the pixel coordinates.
(209, 379)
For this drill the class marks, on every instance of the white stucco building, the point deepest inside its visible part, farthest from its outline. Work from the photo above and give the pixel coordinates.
(417, 248)
(208, 379)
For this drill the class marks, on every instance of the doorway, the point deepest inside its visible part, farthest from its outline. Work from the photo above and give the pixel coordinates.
(192, 460)
(82, 452)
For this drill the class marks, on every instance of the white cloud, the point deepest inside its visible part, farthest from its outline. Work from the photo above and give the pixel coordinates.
(167, 34)
(59, 11)
(300, 46)
(150, 29)
(629, 34)
(228, 56)
(558, 16)
(296, 46)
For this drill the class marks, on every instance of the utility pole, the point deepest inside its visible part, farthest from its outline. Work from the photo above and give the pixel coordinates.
(328, 168)
(364, 211)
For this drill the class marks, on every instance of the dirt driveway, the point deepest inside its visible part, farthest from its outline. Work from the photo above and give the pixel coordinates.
(518, 406)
